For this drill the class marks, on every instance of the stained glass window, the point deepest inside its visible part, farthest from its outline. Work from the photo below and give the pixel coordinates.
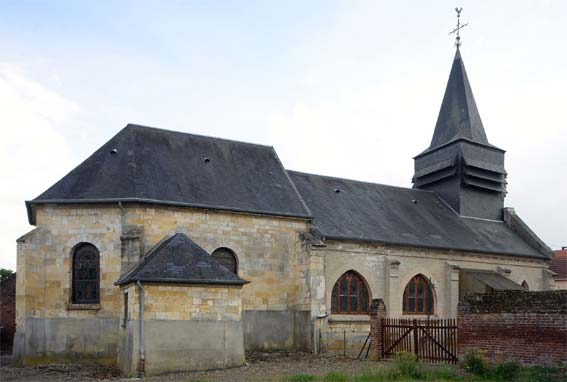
(418, 296)
(227, 258)
(85, 276)
(350, 295)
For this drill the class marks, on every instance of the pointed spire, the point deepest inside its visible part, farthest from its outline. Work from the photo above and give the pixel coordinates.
(458, 117)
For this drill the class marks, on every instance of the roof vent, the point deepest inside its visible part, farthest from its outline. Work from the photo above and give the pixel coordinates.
(414, 201)
(337, 190)
(206, 160)
(113, 151)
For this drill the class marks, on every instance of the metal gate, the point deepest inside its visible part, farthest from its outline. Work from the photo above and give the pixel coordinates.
(430, 340)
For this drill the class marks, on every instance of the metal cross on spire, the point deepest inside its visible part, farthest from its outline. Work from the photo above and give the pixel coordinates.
(458, 28)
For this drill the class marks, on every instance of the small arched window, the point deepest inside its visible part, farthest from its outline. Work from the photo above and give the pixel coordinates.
(350, 295)
(227, 258)
(86, 275)
(418, 296)
(525, 285)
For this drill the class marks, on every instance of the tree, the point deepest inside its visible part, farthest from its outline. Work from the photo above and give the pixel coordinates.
(5, 273)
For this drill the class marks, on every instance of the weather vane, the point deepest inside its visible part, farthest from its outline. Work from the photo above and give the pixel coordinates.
(458, 28)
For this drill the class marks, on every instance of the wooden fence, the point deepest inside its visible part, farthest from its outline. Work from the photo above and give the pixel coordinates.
(432, 341)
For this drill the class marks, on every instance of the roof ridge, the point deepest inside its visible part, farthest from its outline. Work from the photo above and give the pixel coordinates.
(136, 125)
(360, 181)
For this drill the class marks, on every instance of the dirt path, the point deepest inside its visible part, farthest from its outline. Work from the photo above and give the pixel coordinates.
(261, 367)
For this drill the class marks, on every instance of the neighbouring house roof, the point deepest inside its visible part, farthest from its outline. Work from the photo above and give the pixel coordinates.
(351, 210)
(559, 264)
(149, 165)
(494, 280)
(178, 259)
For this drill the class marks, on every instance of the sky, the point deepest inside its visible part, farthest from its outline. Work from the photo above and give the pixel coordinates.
(342, 88)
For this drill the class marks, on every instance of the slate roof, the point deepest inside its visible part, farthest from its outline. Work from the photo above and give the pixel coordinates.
(559, 264)
(351, 210)
(494, 280)
(458, 118)
(178, 259)
(149, 165)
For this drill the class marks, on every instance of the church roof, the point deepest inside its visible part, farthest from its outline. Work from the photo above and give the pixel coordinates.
(148, 165)
(351, 210)
(178, 259)
(458, 118)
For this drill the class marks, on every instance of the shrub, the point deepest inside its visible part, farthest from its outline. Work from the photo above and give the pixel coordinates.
(475, 362)
(506, 371)
(407, 365)
(336, 377)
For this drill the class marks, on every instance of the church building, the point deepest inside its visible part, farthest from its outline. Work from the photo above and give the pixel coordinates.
(166, 251)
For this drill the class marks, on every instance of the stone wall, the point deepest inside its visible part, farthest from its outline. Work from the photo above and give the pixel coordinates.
(186, 327)
(387, 269)
(269, 254)
(530, 327)
(7, 313)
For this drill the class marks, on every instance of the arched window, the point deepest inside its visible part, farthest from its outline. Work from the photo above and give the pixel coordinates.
(227, 258)
(418, 296)
(86, 275)
(525, 285)
(350, 295)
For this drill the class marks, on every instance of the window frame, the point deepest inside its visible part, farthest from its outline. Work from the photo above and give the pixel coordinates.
(336, 299)
(232, 253)
(84, 303)
(427, 286)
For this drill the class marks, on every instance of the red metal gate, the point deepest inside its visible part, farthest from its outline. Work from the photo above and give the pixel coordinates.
(430, 340)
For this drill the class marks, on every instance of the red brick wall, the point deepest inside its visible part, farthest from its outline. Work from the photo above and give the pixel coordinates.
(377, 313)
(529, 327)
(7, 313)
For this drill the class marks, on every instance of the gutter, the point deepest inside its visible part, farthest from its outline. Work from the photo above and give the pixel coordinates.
(142, 364)
(31, 214)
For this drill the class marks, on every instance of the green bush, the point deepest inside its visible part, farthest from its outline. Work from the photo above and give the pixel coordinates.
(475, 362)
(506, 371)
(407, 365)
(336, 377)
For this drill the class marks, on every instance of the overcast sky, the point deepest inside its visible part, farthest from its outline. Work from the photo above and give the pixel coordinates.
(343, 88)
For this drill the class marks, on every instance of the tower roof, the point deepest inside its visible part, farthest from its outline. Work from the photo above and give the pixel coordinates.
(459, 117)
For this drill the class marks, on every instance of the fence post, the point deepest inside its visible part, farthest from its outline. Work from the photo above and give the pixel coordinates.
(415, 339)
(377, 313)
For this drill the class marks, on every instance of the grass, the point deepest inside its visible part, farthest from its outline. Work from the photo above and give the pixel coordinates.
(406, 369)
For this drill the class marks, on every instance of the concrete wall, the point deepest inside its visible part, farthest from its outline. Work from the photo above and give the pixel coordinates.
(185, 327)
(530, 327)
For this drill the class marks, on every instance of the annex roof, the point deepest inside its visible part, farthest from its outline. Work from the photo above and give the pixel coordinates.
(494, 280)
(178, 259)
(149, 165)
(351, 210)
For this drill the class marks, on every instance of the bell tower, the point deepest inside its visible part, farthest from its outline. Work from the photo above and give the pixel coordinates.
(460, 164)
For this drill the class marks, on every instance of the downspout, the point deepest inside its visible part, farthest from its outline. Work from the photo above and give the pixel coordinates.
(122, 216)
(141, 368)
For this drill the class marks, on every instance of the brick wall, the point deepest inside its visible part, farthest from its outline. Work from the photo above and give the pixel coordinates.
(377, 313)
(7, 313)
(530, 327)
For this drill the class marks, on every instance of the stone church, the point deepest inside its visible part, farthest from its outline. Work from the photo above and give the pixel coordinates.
(167, 251)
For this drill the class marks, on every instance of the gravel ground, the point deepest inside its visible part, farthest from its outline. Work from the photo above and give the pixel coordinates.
(260, 367)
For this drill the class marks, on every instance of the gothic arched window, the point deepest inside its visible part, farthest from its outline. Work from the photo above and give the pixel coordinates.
(525, 285)
(227, 258)
(350, 295)
(418, 296)
(86, 275)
